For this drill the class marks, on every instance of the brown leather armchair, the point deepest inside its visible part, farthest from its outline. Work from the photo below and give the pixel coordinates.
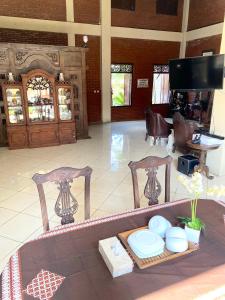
(183, 130)
(156, 126)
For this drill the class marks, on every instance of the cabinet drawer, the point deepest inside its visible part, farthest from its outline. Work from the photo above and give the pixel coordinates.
(17, 137)
(42, 136)
(67, 133)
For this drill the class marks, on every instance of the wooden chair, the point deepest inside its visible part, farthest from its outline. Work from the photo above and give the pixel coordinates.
(156, 126)
(183, 130)
(152, 188)
(66, 205)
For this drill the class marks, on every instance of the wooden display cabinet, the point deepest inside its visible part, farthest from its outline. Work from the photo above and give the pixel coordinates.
(41, 108)
(15, 115)
(67, 131)
(39, 111)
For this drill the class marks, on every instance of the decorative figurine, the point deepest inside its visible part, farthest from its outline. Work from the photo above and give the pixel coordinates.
(85, 40)
(61, 77)
(11, 78)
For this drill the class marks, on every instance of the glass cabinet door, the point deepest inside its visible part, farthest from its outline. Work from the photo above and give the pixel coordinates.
(40, 99)
(65, 103)
(14, 104)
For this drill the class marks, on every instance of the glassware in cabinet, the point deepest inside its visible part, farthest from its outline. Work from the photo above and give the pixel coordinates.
(40, 100)
(65, 103)
(14, 105)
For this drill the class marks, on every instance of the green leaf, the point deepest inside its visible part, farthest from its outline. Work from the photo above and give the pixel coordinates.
(184, 220)
(196, 224)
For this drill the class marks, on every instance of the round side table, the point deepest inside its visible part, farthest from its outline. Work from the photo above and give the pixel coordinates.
(202, 168)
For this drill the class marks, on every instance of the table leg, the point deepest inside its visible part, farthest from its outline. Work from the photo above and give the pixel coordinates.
(202, 168)
(206, 169)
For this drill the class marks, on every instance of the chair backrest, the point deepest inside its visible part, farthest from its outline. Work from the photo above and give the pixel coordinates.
(163, 128)
(152, 188)
(178, 117)
(183, 130)
(156, 125)
(150, 118)
(66, 205)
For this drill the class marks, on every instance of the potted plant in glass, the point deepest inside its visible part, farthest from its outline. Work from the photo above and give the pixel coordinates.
(193, 224)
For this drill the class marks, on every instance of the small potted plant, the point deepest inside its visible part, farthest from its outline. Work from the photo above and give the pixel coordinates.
(193, 224)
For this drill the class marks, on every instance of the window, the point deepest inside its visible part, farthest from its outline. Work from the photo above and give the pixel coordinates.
(160, 89)
(121, 83)
(123, 4)
(167, 7)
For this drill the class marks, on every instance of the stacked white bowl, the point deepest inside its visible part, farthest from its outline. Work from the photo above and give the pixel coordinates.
(150, 242)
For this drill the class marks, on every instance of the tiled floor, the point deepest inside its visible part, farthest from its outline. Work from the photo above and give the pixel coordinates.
(108, 152)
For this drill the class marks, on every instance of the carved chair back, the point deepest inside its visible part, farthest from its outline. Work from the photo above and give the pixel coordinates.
(66, 205)
(152, 188)
(156, 126)
(183, 130)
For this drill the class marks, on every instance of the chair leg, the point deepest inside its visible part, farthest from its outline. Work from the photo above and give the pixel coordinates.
(155, 138)
(146, 136)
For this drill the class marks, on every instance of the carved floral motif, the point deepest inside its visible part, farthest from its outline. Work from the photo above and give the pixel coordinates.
(3, 57)
(54, 57)
(20, 56)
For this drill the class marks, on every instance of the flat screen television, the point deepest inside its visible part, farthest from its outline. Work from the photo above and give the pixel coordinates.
(197, 73)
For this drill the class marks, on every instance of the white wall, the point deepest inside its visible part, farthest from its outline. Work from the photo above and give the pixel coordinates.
(216, 158)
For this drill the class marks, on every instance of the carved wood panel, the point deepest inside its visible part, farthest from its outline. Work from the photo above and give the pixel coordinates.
(44, 135)
(17, 137)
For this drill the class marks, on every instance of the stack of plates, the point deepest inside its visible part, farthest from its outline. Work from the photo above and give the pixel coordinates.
(146, 243)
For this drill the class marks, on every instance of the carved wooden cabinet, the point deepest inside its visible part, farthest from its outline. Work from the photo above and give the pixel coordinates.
(39, 111)
(19, 59)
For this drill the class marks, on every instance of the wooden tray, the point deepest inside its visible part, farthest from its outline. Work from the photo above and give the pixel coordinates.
(151, 261)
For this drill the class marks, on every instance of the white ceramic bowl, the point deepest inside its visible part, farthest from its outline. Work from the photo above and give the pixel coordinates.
(176, 244)
(159, 225)
(176, 232)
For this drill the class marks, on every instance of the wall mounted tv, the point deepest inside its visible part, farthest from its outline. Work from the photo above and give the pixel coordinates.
(197, 73)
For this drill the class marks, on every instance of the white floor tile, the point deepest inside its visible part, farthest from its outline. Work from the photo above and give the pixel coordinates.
(111, 147)
(7, 245)
(20, 227)
(6, 215)
(19, 201)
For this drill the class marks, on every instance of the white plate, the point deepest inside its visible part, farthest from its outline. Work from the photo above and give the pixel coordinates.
(146, 243)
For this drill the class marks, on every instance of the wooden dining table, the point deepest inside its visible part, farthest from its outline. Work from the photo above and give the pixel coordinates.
(65, 264)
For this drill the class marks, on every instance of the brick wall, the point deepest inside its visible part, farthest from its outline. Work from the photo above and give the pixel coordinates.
(93, 78)
(33, 37)
(145, 17)
(87, 11)
(37, 9)
(195, 48)
(205, 12)
(143, 55)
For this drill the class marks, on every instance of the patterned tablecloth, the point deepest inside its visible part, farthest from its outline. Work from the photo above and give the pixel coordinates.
(64, 264)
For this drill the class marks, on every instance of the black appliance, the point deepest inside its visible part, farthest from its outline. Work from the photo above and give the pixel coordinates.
(197, 73)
